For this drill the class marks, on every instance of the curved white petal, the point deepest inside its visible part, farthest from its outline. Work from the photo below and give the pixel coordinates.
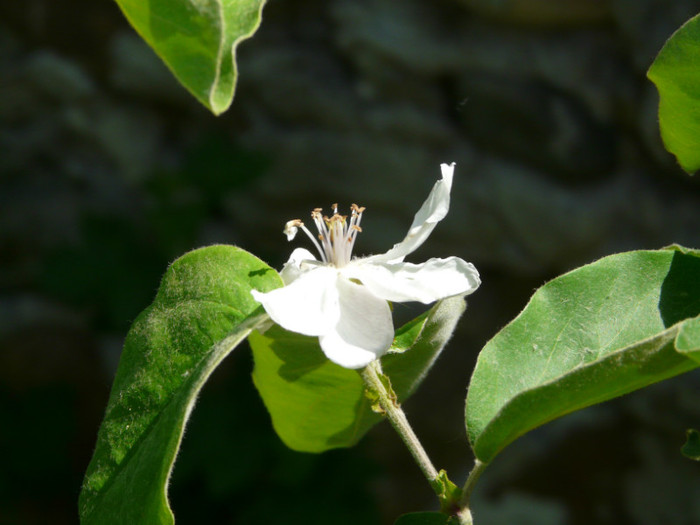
(292, 268)
(345, 354)
(427, 282)
(308, 306)
(364, 330)
(430, 213)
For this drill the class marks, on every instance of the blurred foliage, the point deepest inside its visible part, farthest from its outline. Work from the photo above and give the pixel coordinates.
(36, 468)
(113, 272)
(691, 448)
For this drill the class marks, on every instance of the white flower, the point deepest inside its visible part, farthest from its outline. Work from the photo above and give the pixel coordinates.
(343, 300)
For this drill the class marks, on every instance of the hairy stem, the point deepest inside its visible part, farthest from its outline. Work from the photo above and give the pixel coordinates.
(452, 502)
(465, 514)
(371, 375)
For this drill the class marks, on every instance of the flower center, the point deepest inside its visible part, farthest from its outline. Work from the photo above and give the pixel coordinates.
(336, 233)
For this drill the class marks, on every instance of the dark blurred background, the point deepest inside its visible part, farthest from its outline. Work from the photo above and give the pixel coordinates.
(109, 170)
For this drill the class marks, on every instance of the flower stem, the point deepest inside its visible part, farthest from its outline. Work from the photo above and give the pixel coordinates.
(453, 501)
(380, 390)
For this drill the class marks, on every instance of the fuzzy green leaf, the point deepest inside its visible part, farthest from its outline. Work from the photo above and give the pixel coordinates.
(593, 334)
(688, 339)
(676, 73)
(317, 405)
(202, 311)
(197, 40)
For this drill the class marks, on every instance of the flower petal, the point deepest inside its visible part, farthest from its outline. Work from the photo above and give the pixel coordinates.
(430, 213)
(364, 330)
(427, 282)
(292, 268)
(309, 305)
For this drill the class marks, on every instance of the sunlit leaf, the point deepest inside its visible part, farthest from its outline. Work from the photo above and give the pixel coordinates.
(593, 334)
(202, 311)
(676, 73)
(317, 405)
(197, 40)
(688, 339)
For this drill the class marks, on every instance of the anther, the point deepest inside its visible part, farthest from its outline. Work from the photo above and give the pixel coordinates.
(291, 228)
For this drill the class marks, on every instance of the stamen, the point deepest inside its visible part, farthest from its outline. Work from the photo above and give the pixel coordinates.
(291, 228)
(355, 225)
(336, 234)
(323, 232)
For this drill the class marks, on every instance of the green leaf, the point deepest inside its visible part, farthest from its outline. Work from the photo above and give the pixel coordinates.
(691, 448)
(676, 73)
(317, 405)
(203, 309)
(688, 339)
(426, 518)
(197, 40)
(593, 334)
